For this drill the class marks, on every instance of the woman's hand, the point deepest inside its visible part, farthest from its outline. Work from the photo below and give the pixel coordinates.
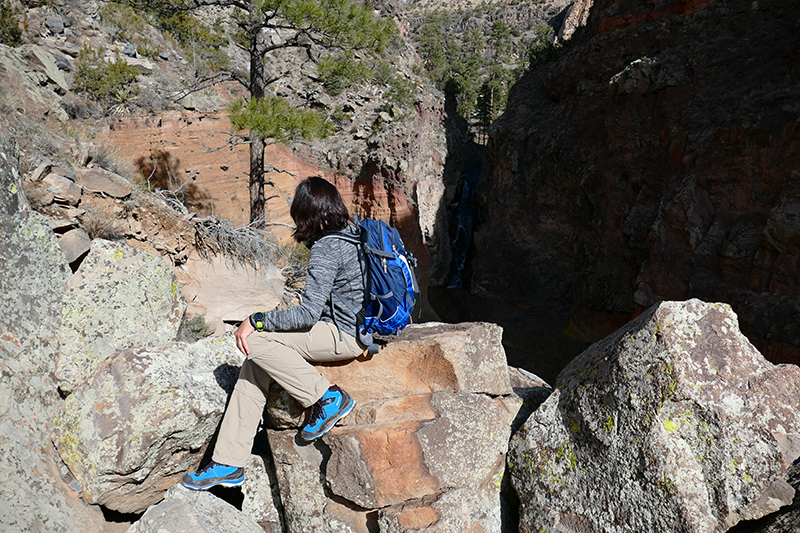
(244, 331)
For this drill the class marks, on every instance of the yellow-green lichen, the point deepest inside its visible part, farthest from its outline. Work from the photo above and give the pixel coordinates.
(610, 423)
(666, 485)
(669, 425)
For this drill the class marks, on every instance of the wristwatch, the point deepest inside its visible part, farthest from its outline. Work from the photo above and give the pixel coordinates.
(257, 321)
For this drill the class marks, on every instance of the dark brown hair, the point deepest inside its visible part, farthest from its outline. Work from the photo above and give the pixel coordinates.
(317, 208)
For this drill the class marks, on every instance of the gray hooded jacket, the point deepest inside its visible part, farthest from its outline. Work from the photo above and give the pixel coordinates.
(333, 264)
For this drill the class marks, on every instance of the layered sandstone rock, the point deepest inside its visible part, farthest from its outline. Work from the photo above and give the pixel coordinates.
(654, 160)
(673, 423)
(425, 443)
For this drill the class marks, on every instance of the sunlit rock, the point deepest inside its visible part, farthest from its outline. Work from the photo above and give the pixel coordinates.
(425, 445)
(145, 419)
(186, 511)
(120, 297)
(673, 423)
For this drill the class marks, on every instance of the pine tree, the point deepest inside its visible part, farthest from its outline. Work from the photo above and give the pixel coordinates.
(10, 33)
(468, 72)
(329, 31)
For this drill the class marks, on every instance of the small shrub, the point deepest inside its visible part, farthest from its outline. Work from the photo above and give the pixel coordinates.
(147, 49)
(202, 44)
(121, 21)
(100, 79)
(193, 328)
(123, 101)
(401, 92)
(10, 32)
(339, 73)
(102, 224)
(107, 156)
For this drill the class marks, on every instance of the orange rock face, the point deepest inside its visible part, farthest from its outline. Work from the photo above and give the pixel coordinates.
(653, 12)
(193, 153)
(188, 151)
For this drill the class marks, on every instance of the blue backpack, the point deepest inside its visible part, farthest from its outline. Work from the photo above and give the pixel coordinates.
(390, 286)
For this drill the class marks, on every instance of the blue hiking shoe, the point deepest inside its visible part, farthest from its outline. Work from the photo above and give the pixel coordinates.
(334, 405)
(214, 474)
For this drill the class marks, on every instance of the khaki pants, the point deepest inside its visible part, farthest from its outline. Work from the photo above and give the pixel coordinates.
(283, 358)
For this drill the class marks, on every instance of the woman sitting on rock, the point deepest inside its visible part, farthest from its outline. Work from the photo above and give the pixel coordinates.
(280, 345)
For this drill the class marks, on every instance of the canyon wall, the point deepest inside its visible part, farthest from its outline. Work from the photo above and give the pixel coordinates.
(392, 170)
(656, 158)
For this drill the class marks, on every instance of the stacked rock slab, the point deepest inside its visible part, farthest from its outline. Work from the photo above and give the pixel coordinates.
(673, 423)
(424, 448)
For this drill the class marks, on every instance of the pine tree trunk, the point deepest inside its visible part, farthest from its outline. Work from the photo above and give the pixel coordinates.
(257, 207)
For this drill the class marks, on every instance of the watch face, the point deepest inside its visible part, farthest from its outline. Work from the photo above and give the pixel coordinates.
(258, 316)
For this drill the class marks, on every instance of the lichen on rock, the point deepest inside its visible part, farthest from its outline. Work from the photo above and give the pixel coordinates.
(673, 423)
(119, 298)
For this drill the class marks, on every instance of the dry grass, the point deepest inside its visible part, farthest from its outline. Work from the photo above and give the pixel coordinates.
(101, 223)
(252, 246)
(106, 155)
(193, 328)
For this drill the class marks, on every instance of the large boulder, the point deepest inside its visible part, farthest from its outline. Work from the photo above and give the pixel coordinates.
(673, 423)
(186, 511)
(425, 358)
(425, 447)
(224, 290)
(34, 275)
(145, 419)
(119, 298)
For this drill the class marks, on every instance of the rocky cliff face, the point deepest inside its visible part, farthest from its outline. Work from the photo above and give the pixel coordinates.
(93, 414)
(655, 159)
(387, 154)
(387, 161)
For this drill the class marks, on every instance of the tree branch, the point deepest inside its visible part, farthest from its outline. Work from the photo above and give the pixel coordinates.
(202, 83)
(233, 141)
